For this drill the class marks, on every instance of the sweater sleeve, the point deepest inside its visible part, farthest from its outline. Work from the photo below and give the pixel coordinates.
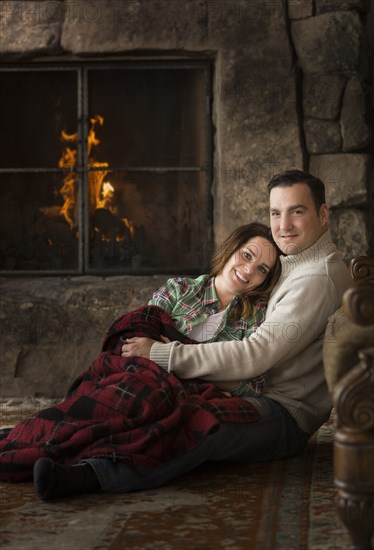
(297, 318)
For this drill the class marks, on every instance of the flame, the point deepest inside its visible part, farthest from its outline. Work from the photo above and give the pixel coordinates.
(129, 225)
(107, 190)
(68, 137)
(95, 183)
(69, 189)
(68, 159)
(92, 140)
(101, 193)
(107, 194)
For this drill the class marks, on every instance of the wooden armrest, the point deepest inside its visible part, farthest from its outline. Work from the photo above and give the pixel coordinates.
(362, 268)
(358, 303)
(358, 300)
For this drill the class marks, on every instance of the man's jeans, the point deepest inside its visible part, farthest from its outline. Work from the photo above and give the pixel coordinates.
(276, 435)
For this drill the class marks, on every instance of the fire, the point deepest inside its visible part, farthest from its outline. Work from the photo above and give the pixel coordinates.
(129, 225)
(101, 193)
(92, 140)
(68, 137)
(107, 190)
(69, 189)
(107, 194)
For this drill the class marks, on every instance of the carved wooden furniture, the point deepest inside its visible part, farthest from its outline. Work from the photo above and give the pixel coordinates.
(353, 396)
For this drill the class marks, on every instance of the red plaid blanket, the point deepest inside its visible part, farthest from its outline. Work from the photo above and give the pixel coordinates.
(125, 409)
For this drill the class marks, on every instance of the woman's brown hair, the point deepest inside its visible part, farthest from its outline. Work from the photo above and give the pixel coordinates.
(238, 238)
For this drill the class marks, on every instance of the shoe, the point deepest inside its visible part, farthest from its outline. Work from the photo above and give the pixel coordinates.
(53, 480)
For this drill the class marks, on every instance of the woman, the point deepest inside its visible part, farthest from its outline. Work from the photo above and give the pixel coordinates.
(129, 410)
(230, 302)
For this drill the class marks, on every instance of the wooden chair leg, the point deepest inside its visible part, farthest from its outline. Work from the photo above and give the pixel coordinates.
(357, 514)
(354, 451)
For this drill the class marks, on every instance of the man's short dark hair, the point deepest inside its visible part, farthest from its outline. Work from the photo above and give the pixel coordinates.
(291, 177)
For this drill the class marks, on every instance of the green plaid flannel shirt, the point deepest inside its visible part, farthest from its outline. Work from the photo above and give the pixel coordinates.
(190, 301)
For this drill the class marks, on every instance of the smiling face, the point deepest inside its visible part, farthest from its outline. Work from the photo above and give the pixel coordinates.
(294, 220)
(246, 269)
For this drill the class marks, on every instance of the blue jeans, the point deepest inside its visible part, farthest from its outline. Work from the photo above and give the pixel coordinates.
(276, 435)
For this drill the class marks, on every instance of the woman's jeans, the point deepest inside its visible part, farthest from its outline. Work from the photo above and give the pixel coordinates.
(275, 435)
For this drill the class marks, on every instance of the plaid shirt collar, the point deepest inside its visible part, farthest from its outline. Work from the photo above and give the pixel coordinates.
(210, 297)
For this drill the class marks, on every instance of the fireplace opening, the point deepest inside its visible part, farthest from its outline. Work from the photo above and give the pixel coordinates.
(105, 168)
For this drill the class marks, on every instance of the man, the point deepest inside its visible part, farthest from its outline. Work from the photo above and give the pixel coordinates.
(287, 346)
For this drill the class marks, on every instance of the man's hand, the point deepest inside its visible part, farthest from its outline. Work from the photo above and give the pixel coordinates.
(139, 346)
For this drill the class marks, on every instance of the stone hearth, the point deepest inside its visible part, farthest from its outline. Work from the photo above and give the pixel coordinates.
(52, 328)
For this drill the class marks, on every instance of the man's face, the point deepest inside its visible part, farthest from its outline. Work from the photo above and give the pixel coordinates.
(295, 223)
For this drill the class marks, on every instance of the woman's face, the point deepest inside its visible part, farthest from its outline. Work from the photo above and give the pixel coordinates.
(249, 266)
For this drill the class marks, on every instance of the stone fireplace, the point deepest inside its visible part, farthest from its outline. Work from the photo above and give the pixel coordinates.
(139, 133)
(102, 164)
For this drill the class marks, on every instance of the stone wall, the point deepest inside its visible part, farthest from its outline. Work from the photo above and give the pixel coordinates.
(332, 49)
(52, 328)
(291, 89)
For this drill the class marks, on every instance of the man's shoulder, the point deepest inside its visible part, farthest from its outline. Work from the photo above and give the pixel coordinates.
(329, 266)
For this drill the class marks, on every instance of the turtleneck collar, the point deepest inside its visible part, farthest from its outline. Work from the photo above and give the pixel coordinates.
(314, 253)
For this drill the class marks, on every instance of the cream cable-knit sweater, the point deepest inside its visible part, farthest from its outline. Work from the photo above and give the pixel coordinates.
(288, 344)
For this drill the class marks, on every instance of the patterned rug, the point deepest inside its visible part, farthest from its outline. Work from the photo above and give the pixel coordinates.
(283, 505)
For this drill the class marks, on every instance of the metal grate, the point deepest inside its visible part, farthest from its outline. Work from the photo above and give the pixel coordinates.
(183, 169)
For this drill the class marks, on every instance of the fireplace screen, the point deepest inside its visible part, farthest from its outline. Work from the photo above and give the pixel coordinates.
(105, 168)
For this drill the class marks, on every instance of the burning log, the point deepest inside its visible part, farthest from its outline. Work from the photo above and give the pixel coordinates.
(53, 227)
(108, 225)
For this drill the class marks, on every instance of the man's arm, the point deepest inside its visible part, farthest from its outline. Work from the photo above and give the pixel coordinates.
(297, 318)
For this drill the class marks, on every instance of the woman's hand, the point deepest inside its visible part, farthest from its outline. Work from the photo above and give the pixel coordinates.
(139, 346)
